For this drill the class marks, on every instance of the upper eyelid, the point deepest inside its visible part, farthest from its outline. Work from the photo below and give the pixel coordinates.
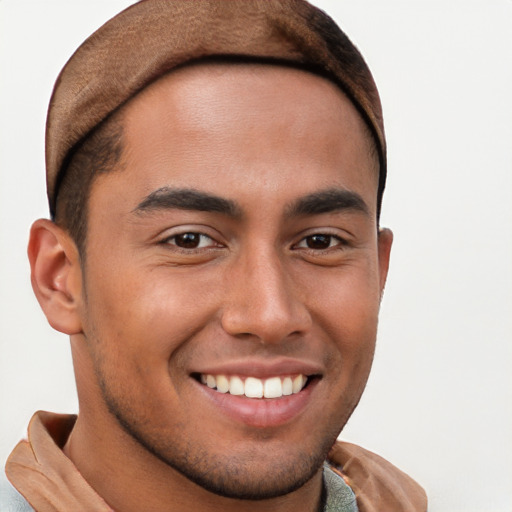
(217, 237)
(204, 246)
(187, 232)
(173, 236)
(334, 232)
(342, 240)
(174, 231)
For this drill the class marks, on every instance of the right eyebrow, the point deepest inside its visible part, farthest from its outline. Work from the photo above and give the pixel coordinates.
(328, 201)
(166, 198)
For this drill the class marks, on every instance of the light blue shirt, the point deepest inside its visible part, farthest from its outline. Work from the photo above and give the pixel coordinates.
(339, 496)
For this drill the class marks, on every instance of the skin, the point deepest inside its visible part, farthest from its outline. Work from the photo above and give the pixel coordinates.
(146, 315)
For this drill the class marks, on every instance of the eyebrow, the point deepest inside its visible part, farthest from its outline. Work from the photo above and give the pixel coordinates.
(187, 199)
(325, 201)
(328, 201)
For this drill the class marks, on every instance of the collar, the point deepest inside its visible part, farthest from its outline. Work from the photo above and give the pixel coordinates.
(50, 482)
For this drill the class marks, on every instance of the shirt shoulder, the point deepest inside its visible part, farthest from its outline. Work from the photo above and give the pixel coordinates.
(378, 485)
(338, 496)
(10, 499)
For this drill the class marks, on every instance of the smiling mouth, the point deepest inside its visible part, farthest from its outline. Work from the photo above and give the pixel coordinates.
(253, 387)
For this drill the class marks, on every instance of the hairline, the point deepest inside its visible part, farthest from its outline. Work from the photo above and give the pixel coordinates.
(112, 131)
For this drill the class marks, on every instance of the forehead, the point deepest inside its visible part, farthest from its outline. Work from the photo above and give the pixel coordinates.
(204, 93)
(209, 126)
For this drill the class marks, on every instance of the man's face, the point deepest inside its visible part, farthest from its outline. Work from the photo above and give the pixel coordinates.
(237, 244)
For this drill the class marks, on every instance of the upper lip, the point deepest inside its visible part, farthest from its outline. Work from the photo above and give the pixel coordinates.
(262, 369)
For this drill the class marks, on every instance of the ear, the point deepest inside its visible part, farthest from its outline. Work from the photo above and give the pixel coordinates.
(385, 241)
(56, 275)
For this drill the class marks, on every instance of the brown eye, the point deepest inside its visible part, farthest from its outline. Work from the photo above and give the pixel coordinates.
(318, 241)
(188, 240)
(191, 240)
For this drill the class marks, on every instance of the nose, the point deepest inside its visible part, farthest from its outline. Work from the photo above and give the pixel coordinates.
(263, 301)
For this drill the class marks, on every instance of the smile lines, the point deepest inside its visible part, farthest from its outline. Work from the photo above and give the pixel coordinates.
(252, 387)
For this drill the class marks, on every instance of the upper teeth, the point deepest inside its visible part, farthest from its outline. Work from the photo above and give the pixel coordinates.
(253, 387)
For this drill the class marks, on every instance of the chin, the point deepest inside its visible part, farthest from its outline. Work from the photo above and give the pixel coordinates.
(249, 477)
(260, 470)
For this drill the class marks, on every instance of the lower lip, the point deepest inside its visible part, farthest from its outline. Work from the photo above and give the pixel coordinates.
(261, 412)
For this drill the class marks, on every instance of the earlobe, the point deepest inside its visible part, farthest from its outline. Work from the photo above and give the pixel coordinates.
(56, 275)
(385, 242)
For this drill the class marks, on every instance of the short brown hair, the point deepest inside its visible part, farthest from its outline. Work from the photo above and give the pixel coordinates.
(99, 153)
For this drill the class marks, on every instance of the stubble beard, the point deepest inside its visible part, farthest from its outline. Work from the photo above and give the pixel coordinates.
(230, 476)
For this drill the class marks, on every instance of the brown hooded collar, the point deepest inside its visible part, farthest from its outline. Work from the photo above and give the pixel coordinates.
(50, 482)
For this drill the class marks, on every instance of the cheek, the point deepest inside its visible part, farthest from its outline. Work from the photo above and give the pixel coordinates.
(148, 314)
(347, 311)
(347, 298)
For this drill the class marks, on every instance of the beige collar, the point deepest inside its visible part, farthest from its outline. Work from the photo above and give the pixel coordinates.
(50, 482)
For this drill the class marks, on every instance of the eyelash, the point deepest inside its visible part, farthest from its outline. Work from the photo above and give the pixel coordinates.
(340, 242)
(211, 243)
(192, 234)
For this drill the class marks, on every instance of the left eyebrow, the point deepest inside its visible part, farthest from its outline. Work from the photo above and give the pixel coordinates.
(167, 198)
(330, 200)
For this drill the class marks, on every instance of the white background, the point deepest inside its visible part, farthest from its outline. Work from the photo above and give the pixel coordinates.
(439, 401)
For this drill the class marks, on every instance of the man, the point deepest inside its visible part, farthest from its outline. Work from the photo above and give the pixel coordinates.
(215, 173)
